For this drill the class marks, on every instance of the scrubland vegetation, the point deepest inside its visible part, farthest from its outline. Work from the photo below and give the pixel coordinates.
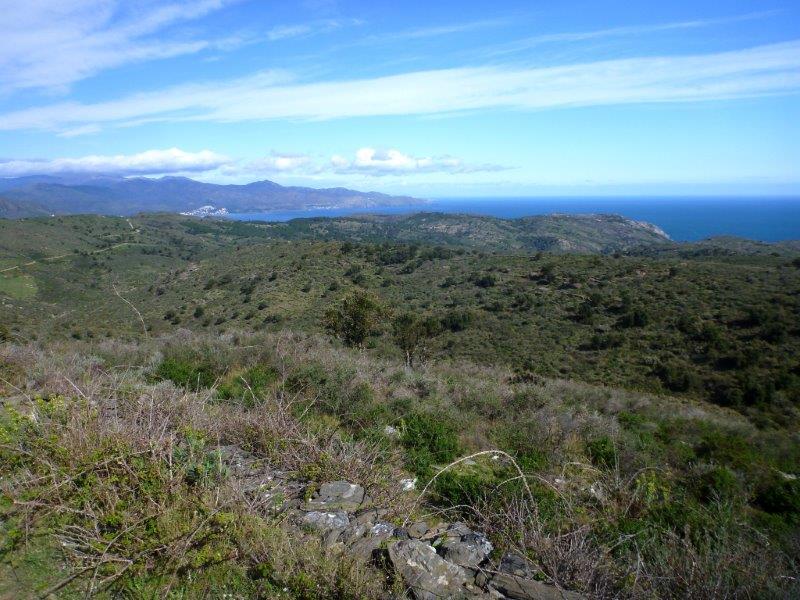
(649, 399)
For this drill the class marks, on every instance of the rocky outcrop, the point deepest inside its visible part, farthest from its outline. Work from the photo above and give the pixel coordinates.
(446, 560)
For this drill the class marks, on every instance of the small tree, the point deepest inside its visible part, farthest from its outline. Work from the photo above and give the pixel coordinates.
(410, 332)
(355, 318)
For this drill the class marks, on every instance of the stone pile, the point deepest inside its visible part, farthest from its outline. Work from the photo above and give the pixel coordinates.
(445, 560)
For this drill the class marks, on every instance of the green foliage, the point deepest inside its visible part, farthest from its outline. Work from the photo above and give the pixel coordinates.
(457, 320)
(249, 385)
(410, 333)
(727, 320)
(485, 280)
(465, 487)
(355, 318)
(636, 316)
(718, 483)
(429, 439)
(185, 373)
(602, 451)
(779, 494)
(678, 376)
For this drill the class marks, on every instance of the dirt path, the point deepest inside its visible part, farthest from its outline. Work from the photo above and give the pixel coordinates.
(51, 258)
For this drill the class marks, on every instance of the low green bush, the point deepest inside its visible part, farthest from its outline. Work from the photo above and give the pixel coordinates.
(184, 373)
(428, 439)
(249, 385)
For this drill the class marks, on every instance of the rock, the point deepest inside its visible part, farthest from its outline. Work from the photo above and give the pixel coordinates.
(371, 515)
(324, 522)
(457, 529)
(331, 538)
(354, 531)
(435, 531)
(519, 588)
(407, 485)
(338, 494)
(514, 564)
(367, 546)
(382, 529)
(515, 578)
(418, 529)
(482, 578)
(464, 547)
(425, 573)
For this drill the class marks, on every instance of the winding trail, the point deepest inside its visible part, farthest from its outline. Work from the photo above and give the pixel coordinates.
(51, 258)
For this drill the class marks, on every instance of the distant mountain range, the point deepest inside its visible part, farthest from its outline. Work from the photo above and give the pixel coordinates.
(113, 195)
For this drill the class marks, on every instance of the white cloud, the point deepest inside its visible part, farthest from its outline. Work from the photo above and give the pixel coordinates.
(280, 163)
(54, 43)
(366, 161)
(769, 69)
(393, 162)
(151, 162)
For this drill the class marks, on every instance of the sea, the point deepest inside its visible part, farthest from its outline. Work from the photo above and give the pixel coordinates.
(684, 219)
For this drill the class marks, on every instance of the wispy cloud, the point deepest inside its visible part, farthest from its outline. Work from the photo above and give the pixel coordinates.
(768, 69)
(53, 43)
(150, 162)
(429, 32)
(633, 30)
(282, 32)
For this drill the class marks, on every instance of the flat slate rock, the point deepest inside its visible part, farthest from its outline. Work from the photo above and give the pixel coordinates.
(465, 547)
(519, 588)
(425, 573)
(337, 494)
(325, 521)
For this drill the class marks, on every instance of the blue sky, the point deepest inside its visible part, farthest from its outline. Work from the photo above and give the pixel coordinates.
(442, 98)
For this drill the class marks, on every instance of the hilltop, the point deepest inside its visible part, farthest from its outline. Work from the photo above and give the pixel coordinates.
(114, 195)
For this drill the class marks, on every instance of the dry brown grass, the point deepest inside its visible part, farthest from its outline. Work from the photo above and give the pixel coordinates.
(108, 421)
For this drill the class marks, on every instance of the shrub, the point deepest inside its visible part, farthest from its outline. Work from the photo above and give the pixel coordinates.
(459, 488)
(253, 382)
(780, 495)
(457, 320)
(410, 333)
(677, 376)
(429, 439)
(634, 317)
(355, 318)
(605, 341)
(184, 373)
(485, 281)
(602, 451)
(718, 483)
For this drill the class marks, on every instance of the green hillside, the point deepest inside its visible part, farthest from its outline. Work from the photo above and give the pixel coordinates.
(722, 328)
(178, 394)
